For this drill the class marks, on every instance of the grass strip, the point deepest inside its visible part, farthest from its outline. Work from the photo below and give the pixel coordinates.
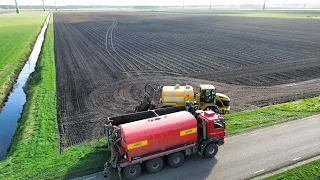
(274, 114)
(307, 171)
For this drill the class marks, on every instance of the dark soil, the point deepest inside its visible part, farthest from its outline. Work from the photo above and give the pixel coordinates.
(104, 59)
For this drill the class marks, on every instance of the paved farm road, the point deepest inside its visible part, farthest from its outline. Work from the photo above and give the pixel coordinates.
(249, 154)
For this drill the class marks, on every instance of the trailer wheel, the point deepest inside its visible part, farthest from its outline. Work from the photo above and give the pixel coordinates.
(131, 172)
(210, 150)
(154, 165)
(176, 159)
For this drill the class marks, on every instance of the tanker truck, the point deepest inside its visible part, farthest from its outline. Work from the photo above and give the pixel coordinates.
(164, 135)
(168, 96)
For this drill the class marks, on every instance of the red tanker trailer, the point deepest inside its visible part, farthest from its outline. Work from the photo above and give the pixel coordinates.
(158, 136)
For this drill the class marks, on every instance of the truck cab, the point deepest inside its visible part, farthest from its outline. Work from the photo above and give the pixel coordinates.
(211, 126)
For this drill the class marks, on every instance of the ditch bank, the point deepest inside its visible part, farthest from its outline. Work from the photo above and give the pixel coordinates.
(13, 108)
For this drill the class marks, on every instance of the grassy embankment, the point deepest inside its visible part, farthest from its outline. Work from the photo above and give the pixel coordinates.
(274, 114)
(34, 153)
(275, 15)
(307, 171)
(18, 33)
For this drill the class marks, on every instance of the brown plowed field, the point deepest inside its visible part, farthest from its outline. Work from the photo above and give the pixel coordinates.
(104, 59)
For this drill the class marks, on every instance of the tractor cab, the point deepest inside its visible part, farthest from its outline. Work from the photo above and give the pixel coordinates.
(206, 98)
(209, 99)
(207, 93)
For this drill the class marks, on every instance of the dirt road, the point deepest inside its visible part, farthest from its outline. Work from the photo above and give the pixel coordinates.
(247, 155)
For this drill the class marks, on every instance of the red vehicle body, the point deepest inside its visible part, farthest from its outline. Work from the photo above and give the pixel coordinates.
(158, 134)
(172, 136)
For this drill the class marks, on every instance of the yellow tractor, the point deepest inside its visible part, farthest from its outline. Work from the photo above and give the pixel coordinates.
(206, 99)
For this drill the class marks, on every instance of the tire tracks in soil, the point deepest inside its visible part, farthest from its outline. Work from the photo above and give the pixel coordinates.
(104, 60)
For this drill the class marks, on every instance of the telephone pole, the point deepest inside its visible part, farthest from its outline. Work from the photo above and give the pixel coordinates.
(17, 7)
(210, 4)
(55, 3)
(264, 5)
(44, 8)
(182, 4)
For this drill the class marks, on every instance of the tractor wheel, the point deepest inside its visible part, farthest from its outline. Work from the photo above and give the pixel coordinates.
(131, 172)
(210, 150)
(176, 159)
(154, 165)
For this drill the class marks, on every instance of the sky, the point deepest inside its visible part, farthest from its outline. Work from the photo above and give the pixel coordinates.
(154, 2)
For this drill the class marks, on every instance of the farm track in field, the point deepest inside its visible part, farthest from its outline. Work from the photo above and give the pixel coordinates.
(104, 60)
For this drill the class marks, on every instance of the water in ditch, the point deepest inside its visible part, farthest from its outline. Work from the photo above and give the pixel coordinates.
(12, 109)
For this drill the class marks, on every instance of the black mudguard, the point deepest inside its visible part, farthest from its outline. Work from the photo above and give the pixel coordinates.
(205, 142)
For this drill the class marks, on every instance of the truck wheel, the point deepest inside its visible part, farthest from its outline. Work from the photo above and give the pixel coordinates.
(154, 165)
(176, 159)
(210, 150)
(131, 172)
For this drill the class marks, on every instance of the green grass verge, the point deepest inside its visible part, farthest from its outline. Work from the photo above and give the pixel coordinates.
(246, 120)
(275, 15)
(307, 171)
(34, 151)
(18, 33)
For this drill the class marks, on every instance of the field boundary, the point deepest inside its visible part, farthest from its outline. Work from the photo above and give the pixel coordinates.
(23, 82)
(19, 69)
(28, 87)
